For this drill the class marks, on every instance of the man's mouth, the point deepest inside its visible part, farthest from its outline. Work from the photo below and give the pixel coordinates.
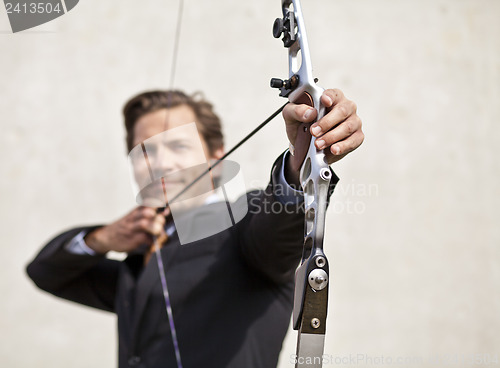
(170, 181)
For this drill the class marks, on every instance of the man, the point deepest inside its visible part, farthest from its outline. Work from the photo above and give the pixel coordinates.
(231, 292)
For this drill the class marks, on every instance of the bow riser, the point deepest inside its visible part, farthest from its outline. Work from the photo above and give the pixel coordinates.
(312, 276)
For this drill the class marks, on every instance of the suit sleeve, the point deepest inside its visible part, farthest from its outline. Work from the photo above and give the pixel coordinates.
(84, 279)
(272, 233)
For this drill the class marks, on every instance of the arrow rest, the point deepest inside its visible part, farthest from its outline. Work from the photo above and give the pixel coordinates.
(286, 86)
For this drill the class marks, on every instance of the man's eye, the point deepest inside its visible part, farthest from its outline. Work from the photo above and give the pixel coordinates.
(150, 150)
(180, 147)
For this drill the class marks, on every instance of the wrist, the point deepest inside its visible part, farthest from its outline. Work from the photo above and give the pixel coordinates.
(95, 241)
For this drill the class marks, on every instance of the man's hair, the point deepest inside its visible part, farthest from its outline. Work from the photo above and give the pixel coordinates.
(208, 122)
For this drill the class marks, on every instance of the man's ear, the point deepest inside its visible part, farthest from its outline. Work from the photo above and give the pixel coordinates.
(217, 154)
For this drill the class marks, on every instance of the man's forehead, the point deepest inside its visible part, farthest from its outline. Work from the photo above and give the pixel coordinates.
(163, 120)
(182, 133)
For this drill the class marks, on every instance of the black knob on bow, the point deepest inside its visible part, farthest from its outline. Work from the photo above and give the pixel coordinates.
(278, 28)
(286, 86)
(276, 82)
(285, 27)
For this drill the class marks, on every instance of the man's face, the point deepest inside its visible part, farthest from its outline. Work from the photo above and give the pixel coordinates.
(169, 154)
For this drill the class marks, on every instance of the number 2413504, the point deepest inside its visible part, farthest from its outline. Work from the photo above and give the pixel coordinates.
(33, 8)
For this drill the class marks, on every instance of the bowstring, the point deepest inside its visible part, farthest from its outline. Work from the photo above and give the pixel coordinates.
(156, 244)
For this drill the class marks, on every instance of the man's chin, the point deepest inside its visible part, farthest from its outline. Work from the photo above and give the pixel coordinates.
(173, 190)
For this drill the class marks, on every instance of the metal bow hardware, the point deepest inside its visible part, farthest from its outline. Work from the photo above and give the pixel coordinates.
(311, 278)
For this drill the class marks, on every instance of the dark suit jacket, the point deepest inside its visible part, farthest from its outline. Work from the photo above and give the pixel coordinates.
(231, 293)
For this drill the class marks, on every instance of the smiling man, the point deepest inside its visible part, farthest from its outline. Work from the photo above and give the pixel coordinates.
(167, 156)
(231, 292)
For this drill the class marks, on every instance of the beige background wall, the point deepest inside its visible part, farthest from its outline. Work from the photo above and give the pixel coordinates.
(413, 236)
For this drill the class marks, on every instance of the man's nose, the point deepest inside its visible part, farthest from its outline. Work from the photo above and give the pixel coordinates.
(163, 164)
